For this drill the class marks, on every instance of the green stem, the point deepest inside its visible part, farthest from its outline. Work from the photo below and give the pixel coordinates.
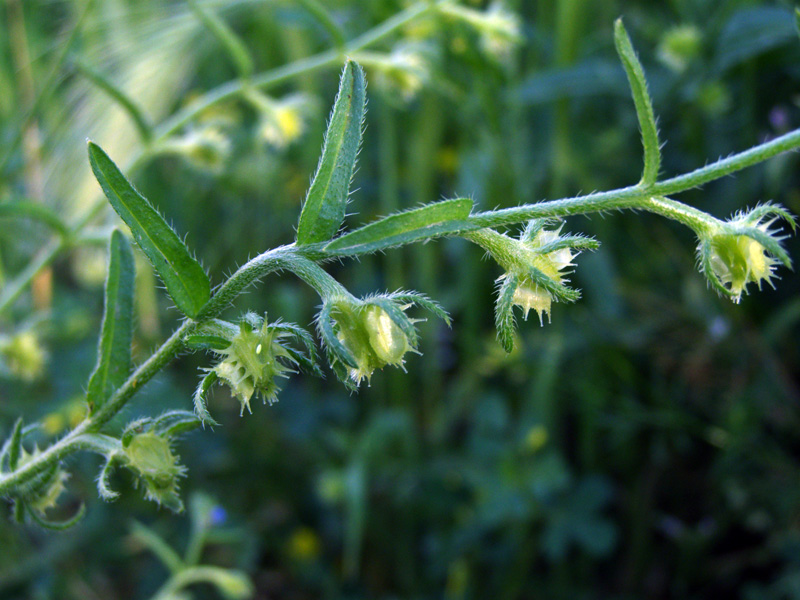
(192, 575)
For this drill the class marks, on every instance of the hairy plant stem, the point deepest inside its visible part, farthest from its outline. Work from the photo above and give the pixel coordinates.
(302, 260)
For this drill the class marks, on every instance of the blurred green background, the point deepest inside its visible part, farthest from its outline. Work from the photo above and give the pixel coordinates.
(645, 444)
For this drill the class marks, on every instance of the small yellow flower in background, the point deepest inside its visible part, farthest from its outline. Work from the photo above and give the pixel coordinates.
(680, 46)
(536, 438)
(304, 545)
(501, 34)
(67, 416)
(281, 121)
(23, 355)
(205, 147)
(402, 72)
(499, 29)
(54, 423)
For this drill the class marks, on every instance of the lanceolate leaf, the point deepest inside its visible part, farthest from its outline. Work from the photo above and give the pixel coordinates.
(186, 281)
(324, 208)
(439, 218)
(13, 447)
(641, 99)
(114, 351)
(504, 312)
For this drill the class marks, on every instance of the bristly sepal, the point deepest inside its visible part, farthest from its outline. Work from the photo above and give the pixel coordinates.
(743, 250)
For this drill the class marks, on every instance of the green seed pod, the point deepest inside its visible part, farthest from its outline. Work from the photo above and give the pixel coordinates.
(150, 456)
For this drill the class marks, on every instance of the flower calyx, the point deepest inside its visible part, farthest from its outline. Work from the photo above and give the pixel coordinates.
(254, 355)
(743, 250)
(536, 266)
(146, 449)
(364, 335)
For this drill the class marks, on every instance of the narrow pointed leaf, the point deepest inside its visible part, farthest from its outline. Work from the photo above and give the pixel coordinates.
(335, 348)
(14, 447)
(770, 243)
(558, 290)
(435, 219)
(156, 544)
(641, 99)
(206, 342)
(118, 95)
(114, 351)
(504, 312)
(186, 281)
(708, 270)
(231, 42)
(200, 399)
(324, 208)
(423, 301)
(103, 484)
(175, 422)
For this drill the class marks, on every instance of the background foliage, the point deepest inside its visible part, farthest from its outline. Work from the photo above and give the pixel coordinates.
(643, 445)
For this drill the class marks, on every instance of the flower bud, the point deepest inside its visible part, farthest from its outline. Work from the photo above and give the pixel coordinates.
(257, 355)
(498, 28)
(370, 337)
(535, 266)
(365, 335)
(403, 72)
(743, 250)
(387, 340)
